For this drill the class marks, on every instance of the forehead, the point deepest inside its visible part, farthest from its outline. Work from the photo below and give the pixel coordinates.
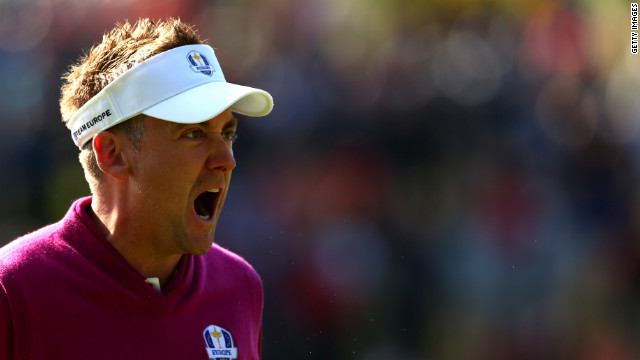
(214, 123)
(225, 120)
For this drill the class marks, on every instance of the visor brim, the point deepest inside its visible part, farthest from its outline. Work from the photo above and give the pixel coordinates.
(206, 101)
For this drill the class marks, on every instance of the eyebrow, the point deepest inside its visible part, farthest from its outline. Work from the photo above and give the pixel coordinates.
(232, 123)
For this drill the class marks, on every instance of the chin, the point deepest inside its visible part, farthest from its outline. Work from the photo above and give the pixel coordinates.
(196, 246)
(201, 249)
(199, 253)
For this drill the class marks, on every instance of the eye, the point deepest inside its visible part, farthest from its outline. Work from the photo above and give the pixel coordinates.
(194, 134)
(230, 135)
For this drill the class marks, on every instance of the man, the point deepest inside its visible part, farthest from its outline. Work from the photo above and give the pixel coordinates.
(132, 272)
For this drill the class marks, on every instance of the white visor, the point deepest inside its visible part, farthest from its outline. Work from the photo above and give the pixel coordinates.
(183, 85)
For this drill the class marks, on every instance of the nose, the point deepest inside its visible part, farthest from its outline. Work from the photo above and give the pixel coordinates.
(221, 155)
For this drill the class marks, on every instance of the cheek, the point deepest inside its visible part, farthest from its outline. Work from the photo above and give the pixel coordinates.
(226, 188)
(164, 178)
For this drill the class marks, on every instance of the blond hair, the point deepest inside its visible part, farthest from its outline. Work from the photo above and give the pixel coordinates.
(121, 48)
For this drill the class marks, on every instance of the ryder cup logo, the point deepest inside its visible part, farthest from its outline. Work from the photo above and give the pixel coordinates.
(219, 343)
(199, 63)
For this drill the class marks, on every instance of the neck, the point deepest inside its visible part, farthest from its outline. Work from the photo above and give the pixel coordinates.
(114, 221)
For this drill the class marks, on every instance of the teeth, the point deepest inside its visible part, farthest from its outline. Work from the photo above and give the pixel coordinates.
(204, 217)
(214, 190)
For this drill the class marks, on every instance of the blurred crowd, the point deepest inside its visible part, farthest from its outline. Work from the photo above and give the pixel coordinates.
(438, 179)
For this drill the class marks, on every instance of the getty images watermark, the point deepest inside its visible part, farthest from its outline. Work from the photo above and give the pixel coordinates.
(634, 28)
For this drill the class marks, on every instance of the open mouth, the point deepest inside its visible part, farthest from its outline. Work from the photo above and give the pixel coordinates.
(205, 204)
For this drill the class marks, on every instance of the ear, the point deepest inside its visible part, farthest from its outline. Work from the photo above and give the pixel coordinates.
(108, 148)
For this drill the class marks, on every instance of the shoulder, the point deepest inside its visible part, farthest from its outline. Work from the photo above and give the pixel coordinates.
(30, 247)
(231, 272)
(41, 246)
(31, 259)
(227, 272)
(224, 260)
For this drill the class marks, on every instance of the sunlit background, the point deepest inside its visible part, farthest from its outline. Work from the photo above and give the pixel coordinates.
(438, 180)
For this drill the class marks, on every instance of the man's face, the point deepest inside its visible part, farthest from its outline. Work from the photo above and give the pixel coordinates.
(180, 177)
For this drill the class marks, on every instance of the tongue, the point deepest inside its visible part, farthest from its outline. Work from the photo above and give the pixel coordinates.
(201, 206)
